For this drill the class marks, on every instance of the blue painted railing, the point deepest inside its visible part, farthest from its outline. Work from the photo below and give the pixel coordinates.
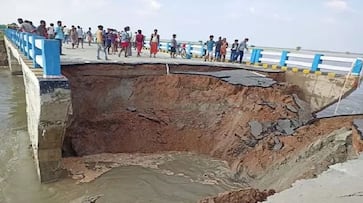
(44, 53)
(305, 60)
(309, 61)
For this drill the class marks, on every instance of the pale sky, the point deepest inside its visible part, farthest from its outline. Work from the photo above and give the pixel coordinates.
(334, 25)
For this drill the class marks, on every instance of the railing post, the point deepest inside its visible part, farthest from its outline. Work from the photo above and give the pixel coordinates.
(257, 56)
(316, 61)
(201, 49)
(36, 50)
(253, 55)
(189, 49)
(21, 41)
(357, 68)
(29, 45)
(51, 58)
(168, 46)
(284, 58)
(16, 39)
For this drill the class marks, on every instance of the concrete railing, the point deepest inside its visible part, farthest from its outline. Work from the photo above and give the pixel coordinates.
(44, 53)
(307, 61)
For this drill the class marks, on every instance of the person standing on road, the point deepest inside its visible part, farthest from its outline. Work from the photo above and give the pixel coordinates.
(234, 51)
(59, 35)
(224, 47)
(173, 46)
(210, 46)
(67, 33)
(139, 40)
(100, 42)
(154, 43)
(50, 31)
(74, 36)
(217, 54)
(89, 36)
(80, 35)
(124, 42)
(241, 47)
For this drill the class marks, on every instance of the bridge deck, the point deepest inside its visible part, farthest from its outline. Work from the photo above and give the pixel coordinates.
(89, 55)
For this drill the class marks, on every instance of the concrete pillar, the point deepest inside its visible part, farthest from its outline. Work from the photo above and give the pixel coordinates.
(48, 108)
(55, 109)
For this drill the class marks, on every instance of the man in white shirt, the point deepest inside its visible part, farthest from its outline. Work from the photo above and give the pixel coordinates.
(50, 31)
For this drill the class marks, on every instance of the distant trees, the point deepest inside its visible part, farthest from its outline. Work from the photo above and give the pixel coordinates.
(298, 48)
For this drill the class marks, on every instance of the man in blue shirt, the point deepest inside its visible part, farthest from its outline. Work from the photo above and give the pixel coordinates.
(210, 46)
(59, 35)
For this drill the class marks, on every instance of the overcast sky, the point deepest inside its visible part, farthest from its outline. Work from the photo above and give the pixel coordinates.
(335, 25)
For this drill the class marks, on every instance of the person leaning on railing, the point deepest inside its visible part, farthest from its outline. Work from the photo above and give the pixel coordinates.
(25, 26)
(42, 29)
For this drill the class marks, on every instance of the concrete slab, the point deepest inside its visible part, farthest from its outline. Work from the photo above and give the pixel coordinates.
(350, 105)
(238, 77)
(341, 183)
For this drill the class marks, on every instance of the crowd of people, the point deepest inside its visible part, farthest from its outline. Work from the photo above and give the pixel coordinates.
(113, 42)
(217, 50)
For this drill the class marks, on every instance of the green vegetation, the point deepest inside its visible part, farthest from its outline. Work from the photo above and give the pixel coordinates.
(2, 29)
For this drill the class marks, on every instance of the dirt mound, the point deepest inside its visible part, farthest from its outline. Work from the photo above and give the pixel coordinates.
(240, 196)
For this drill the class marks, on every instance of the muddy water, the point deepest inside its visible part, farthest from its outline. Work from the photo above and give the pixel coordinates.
(181, 178)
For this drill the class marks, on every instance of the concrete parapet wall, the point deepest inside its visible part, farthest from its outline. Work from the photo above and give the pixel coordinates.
(48, 104)
(14, 58)
(318, 90)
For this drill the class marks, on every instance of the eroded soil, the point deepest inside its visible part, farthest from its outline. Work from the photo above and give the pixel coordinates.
(267, 135)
